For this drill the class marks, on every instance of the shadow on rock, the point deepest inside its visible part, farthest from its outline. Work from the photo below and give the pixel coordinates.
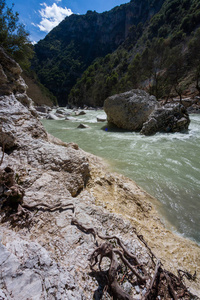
(102, 279)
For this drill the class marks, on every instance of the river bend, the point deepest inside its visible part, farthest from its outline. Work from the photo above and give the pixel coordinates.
(165, 165)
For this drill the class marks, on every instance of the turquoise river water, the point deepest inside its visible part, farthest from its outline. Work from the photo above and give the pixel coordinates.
(166, 165)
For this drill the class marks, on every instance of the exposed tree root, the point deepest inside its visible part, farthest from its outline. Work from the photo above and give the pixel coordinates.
(162, 285)
(22, 218)
(149, 289)
(11, 201)
(187, 275)
(45, 207)
(11, 194)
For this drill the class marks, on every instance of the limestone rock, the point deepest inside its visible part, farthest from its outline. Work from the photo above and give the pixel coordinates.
(80, 113)
(138, 111)
(169, 118)
(47, 257)
(101, 118)
(11, 82)
(59, 115)
(10, 75)
(42, 109)
(60, 111)
(22, 134)
(82, 126)
(28, 272)
(52, 116)
(18, 123)
(129, 110)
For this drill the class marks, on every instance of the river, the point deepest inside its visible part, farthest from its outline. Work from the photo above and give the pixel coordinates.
(166, 165)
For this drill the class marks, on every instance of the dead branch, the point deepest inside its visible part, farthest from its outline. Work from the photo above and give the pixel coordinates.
(171, 289)
(126, 262)
(148, 292)
(84, 228)
(163, 283)
(22, 217)
(106, 250)
(187, 275)
(141, 238)
(47, 207)
(112, 276)
(125, 251)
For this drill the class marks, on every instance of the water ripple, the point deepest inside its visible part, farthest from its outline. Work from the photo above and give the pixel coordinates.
(166, 165)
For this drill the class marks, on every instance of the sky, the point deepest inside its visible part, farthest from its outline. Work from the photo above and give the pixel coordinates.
(39, 17)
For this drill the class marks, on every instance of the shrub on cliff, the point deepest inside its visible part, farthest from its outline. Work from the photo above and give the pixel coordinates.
(13, 36)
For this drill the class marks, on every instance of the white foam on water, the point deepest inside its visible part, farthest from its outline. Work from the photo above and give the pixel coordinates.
(166, 165)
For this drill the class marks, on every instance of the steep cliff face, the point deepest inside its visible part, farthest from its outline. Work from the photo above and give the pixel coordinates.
(161, 56)
(37, 92)
(72, 46)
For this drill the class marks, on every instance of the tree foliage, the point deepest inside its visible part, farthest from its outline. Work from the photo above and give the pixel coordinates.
(159, 59)
(70, 48)
(194, 48)
(13, 36)
(88, 58)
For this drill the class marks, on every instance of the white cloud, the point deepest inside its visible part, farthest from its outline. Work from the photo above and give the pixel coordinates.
(52, 16)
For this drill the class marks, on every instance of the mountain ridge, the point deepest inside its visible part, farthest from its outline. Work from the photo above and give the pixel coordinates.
(78, 40)
(161, 57)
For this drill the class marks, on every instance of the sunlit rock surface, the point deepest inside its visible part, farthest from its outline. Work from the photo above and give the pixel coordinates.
(45, 256)
(168, 118)
(136, 110)
(130, 110)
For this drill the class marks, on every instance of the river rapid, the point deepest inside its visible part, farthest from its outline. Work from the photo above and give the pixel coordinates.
(166, 165)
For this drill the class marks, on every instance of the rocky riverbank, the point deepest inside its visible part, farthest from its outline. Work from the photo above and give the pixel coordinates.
(56, 203)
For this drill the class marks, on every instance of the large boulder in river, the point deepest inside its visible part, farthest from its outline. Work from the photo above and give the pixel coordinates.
(169, 118)
(130, 110)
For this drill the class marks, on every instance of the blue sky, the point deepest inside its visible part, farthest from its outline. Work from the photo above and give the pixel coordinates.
(39, 16)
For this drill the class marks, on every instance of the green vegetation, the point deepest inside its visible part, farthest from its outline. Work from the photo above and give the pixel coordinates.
(37, 91)
(70, 48)
(15, 40)
(159, 58)
(194, 49)
(14, 37)
(59, 69)
(148, 44)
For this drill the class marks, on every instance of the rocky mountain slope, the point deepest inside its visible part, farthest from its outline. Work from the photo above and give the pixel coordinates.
(59, 206)
(152, 45)
(160, 56)
(73, 45)
(37, 92)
